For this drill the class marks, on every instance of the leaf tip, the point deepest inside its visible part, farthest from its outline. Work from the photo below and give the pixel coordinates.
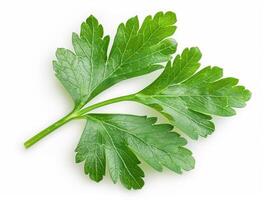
(247, 94)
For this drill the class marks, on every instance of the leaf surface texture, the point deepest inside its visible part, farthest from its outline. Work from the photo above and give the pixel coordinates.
(136, 50)
(118, 141)
(188, 98)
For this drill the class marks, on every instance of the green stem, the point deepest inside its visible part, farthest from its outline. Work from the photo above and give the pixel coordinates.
(48, 130)
(74, 114)
(104, 103)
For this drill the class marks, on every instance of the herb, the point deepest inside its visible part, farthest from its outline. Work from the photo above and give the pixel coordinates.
(113, 138)
(188, 98)
(185, 96)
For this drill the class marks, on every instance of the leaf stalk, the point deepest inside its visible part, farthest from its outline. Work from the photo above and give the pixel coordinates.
(75, 114)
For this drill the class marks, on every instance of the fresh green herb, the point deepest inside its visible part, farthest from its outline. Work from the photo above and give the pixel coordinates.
(185, 96)
(113, 138)
(188, 98)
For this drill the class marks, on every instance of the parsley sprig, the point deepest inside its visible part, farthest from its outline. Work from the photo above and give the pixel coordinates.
(184, 94)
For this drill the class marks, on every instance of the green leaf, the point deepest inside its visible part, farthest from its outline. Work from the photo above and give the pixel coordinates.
(189, 98)
(119, 140)
(136, 50)
(185, 95)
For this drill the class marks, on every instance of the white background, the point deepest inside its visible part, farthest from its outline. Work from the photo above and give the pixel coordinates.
(230, 164)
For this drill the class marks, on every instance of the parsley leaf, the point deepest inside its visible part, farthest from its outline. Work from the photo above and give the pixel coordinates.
(188, 98)
(136, 50)
(115, 139)
(185, 95)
